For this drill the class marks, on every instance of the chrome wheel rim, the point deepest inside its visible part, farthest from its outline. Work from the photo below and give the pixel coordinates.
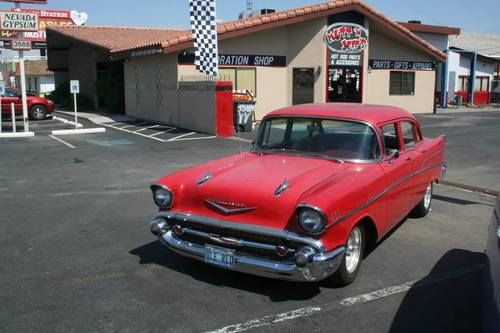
(353, 251)
(428, 196)
(38, 113)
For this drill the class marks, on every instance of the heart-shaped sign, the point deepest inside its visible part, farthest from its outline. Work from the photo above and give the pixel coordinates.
(79, 18)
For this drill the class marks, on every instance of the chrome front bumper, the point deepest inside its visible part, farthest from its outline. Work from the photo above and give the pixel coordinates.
(321, 263)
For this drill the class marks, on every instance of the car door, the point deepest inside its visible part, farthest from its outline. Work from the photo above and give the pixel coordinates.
(398, 169)
(414, 152)
(11, 96)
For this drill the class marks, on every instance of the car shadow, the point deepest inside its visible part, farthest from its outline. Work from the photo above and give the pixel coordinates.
(458, 201)
(448, 299)
(277, 290)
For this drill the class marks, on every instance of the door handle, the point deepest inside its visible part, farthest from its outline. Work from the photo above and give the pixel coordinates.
(408, 159)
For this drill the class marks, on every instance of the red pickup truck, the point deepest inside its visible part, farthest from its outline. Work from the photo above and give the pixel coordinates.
(38, 107)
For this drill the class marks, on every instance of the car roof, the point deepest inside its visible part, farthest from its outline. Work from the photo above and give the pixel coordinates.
(374, 114)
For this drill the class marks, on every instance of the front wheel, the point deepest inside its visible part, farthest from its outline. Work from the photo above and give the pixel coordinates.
(351, 263)
(424, 206)
(38, 112)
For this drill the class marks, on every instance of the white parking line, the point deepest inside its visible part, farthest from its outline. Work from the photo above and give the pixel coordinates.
(146, 128)
(135, 125)
(350, 301)
(180, 136)
(268, 320)
(140, 134)
(63, 142)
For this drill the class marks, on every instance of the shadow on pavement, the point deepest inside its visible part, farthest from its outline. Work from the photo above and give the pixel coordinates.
(276, 290)
(449, 299)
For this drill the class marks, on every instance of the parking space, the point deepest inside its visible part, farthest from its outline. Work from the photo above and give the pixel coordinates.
(41, 127)
(161, 133)
(77, 254)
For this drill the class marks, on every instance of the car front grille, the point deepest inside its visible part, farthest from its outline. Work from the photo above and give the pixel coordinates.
(235, 234)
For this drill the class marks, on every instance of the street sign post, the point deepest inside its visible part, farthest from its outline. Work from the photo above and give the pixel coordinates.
(16, 21)
(2, 90)
(74, 87)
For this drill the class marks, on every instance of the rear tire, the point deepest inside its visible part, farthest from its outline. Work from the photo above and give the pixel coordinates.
(38, 112)
(424, 206)
(351, 263)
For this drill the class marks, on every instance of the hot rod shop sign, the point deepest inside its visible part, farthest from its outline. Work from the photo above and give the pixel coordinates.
(345, 42)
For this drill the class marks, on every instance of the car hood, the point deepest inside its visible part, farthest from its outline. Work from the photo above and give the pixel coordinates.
(245, 189)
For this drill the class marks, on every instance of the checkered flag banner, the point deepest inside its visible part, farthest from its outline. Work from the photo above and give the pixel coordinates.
(204, 27)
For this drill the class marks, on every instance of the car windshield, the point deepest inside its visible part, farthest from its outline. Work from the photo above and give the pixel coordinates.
(318, 137)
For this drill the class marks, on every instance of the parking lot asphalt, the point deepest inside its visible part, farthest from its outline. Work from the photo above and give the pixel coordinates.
(77, 254)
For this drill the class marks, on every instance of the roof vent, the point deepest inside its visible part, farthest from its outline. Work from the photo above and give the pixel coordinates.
(415, 21)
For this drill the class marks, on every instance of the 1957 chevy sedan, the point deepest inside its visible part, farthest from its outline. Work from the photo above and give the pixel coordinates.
(320, 186)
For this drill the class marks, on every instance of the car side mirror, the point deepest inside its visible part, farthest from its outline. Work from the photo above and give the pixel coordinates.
(394, 155)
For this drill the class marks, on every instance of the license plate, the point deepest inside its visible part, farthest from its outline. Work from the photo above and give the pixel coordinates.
(219, 256)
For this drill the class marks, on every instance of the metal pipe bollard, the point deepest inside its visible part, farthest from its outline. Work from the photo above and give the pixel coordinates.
(13, 114)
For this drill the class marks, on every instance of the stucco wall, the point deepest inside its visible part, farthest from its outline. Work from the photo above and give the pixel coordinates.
(151, 88)
(303, 46)
(420, 102)
(385, 47)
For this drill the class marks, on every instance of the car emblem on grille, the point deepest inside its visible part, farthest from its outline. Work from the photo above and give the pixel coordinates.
(226, 207)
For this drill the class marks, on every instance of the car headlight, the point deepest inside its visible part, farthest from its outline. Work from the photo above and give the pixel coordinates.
(311, 219)
(162, 196)
(50, 102)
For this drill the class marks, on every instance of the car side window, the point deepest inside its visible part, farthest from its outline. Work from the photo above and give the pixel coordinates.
(409, 138)
(10, 93)
(391, 138)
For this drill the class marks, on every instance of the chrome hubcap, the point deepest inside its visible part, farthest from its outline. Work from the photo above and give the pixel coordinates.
(38, 113)
(353, 251)
(428, 197)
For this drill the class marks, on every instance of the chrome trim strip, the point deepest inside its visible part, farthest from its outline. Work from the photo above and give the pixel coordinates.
(273, 232)
(282, 188)
(322, 265)
(229, 240)
(205, 178)
(378, 196)
(228, 211)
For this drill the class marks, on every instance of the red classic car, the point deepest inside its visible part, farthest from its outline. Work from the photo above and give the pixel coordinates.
(38, 107)
(321, 184)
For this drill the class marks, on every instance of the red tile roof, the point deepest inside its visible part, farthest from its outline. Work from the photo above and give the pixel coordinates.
(121, 40)
(116, 39)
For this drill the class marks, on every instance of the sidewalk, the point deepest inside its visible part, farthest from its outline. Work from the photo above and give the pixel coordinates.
(99, 118)
(462, 109)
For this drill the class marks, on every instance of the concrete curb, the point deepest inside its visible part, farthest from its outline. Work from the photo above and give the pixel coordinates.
(65, 121)
(469, 188)
(17, 135)
(79, 131)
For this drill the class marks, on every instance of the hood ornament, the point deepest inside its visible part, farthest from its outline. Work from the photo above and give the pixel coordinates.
(282, 188)
(226, 207)
(205, 178)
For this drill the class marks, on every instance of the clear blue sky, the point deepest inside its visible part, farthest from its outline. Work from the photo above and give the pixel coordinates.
(471, 16)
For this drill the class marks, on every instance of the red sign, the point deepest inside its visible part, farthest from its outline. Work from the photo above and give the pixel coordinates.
(46, 18)
(38, 2)
(346, 38)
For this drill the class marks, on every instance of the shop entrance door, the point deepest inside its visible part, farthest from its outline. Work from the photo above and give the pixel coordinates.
(344, 84)
(303, 86)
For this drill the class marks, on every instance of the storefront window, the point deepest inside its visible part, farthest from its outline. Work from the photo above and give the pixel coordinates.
(482, 83)
(242, 78)
(402, 83)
